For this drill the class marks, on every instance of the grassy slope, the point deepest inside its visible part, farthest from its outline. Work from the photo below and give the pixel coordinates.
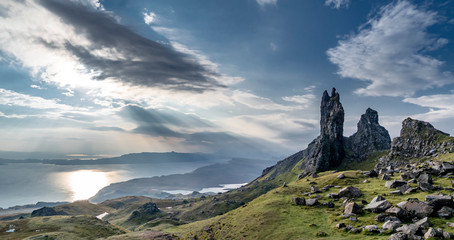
(273, 216)
(59, 227)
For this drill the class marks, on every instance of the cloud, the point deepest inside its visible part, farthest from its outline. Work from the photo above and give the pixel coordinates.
(390, 53)
(8, 97)
(440, 107)
(256, 102)
(263, 3)
(149, 17)
(77, 45)
(337, 3)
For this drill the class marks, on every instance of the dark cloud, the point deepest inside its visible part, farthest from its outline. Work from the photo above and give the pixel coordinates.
(145, 62)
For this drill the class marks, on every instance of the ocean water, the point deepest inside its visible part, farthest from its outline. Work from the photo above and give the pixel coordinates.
(28, 183)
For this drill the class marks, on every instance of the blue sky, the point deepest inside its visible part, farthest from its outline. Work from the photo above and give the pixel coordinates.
(239, 77)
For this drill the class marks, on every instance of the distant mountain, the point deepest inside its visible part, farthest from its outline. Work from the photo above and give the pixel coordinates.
(238, 170)
(132, 158)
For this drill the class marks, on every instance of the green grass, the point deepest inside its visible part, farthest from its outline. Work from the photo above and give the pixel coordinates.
(273, 216)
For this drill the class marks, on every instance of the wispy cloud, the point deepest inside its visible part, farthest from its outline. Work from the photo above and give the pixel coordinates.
(8, 97)
(390, 52)
(440, 106)
(337, 3)
(263, 3)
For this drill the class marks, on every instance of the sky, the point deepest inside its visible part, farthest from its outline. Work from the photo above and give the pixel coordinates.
(241, 77)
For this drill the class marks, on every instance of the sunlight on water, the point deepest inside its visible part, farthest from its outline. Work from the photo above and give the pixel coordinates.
(86, 183)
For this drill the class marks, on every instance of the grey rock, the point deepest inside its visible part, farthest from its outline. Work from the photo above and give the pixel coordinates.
(377, 199)
(424, 223)
(447, 235)
(327, 150)
(409, 229)
(299, 201)
(426, 187)
(352, 207)
(439, 201)
(312, 202)
(417, 208)
(355, 230)
(431, 233)
(386, 177)
(314, 189)
(340, 225)
(445, 212)
(404, 188)
(395, 183)
(341, 176)
(381, 217)
(396, 192)
(371, 228)
(353, 219)
(411, 190)
(398, 212)
(350, 192)
(378, 206)
(391, 225)
(333, 195)
(450, 224)
(426, 178)
(328, 204)
(370, 137)
(398, 236)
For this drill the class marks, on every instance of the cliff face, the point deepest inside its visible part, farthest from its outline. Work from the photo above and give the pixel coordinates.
(370, 136)
(327, 150)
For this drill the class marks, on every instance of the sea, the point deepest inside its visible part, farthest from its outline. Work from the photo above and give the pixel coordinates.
(29, 183)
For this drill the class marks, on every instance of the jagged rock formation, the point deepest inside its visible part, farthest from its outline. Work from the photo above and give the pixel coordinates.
(327, 150)
(370, 136)
(418, 139)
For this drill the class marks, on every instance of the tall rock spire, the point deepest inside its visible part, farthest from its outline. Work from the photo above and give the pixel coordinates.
(327, 150)
(370, 136)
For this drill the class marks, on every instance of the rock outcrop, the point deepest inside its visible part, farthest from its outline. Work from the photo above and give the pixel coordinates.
(327, 150)
(370, 136)
(418, 139)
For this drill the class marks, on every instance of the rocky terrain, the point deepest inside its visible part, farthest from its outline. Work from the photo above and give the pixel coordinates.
(403, 190)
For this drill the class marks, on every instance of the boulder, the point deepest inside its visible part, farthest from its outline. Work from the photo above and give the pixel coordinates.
(395, 192)
(395, 183)
(417, 208)
(438, 201)
(398, 236)
(328, 204)
(426, 187)
(386, 177)
(340, 225)
(425, 177)
(352, 207)
(350, 192)
(371, 228)
(398, 212)
(378, 206)
(424, 223)
(315, 189)
(408, 229)
(312, 202)
(377, 199)
(445, 212)
(333, 195)
(299, 201)
(341, 176)
(431, 233)
(404, 188)
(391, 225)
(381, 217)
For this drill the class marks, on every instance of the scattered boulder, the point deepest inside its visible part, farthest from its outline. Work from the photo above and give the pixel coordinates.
(333, 195)
(377, 199)
(408, 229)
(370, 174)
(450, 224)
(425, 178)
(445, 212)
(424, 223)
(417, 208)
(299, 201)
(315, 189)
(431, 233)
(341, 176)
(328, 204)
(352, 207)
(378, 206)
(311, 202)
(391, 225)
(395, 192)
(340, 225)
(371, 228)
(398, 236)
(398, 212)
(381, 217)
(438, 201)
(386, 177)
(350, 192)
(426, 187)
(395, 183)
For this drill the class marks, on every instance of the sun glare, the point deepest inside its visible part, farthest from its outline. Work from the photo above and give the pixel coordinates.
(86, 183)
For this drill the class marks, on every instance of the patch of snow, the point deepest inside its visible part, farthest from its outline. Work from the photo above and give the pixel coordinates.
(102, 215)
